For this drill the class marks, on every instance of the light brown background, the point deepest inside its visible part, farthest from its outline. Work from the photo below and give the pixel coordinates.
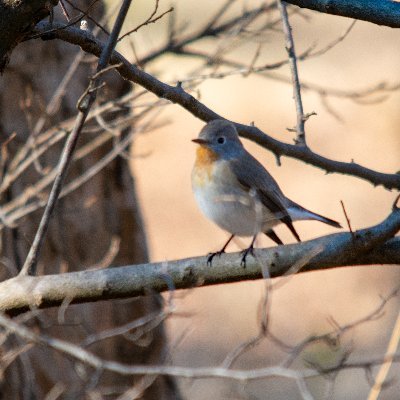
(223, 316)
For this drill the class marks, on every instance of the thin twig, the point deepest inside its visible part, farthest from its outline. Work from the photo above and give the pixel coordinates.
(333, 44)
(340, 330)
(35, 190)
(347, 218)
(124, 329)
(207, 31)
(287, 29)
(86, 14)
(55, 134)
(385, 367)
(64, 11)
(262, 332)
(358, 96)
(218, 15)
(100, 364)
(180, 96)
(84, 106)
(70, 23)
(16, 209)
(148, 21)
(112, 252)
(54, 102)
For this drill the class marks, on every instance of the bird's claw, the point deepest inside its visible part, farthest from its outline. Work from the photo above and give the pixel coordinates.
(244, 254)
(212, 255)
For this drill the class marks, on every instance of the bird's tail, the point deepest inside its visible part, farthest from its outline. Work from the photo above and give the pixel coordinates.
(298, 212)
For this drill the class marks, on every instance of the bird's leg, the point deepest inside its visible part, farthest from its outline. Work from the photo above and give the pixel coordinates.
(218, 253)
(250, 250)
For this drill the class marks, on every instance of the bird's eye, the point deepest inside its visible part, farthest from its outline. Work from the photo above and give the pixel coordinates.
(221, 140)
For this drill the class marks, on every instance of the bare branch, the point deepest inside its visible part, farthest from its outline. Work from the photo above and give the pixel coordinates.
(18, 208)
(208, 30)
(120, 330)
(301, 119)
(84, 107)
(379, 12)
(151, 20)
(71, 22)
(334, 336)
(99, 364)
(360, 96)
(176, 94)
(370, 246)
(333, 44)
(86, 14)
(50, 137)
(384, 369)
(347, 218)
(238, 68)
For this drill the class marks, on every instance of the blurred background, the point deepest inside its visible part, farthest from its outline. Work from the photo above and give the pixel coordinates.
(350, 79)
(219, 318)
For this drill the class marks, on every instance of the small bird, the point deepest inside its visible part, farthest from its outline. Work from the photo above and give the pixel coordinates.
(236, 192)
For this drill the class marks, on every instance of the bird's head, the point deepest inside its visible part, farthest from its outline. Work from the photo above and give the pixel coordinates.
(220, 137)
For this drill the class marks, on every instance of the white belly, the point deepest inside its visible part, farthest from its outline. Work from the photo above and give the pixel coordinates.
(235, 211)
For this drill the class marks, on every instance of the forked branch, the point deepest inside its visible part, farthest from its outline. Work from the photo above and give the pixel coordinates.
(176, 94)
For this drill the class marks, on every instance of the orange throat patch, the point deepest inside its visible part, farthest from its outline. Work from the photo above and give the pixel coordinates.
(203, 166)
(205, 157)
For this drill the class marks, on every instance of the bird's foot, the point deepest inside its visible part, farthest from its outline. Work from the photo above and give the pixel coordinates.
(212, 255)
(244, 254)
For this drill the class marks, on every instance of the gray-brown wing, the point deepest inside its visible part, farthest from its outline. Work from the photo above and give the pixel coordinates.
(252, 175)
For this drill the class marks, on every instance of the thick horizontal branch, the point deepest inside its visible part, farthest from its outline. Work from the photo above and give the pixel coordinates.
(368, 246)
(177, 95)
(381, 12)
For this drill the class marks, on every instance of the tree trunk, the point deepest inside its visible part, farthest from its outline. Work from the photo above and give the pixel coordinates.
(103, 211)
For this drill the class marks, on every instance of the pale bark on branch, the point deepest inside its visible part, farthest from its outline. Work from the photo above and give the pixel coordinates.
(176, 94)
(374, 245)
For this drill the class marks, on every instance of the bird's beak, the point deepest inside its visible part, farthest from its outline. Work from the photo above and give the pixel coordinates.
(201, 141)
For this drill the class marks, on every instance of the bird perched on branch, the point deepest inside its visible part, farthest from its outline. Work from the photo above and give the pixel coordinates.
(236, 192)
